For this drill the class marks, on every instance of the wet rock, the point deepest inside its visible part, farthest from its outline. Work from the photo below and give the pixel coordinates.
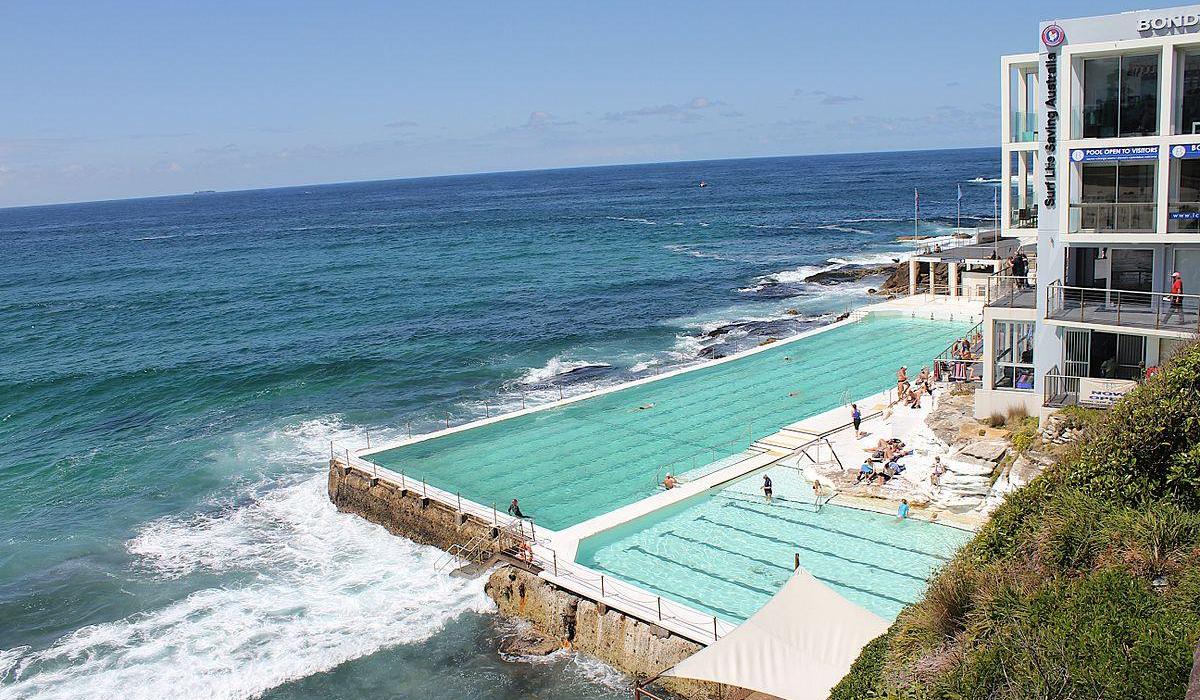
(849, 273)
(529, 642)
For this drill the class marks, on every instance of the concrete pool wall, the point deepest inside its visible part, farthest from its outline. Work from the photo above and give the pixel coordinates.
(451, 519)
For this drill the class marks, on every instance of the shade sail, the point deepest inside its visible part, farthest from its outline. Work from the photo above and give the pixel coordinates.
(797, 647)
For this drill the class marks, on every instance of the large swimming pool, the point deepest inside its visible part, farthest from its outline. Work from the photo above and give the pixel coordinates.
(728, 552)
(573, 462)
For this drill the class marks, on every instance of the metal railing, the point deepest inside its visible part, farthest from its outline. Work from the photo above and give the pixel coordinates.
(1012, 292)
(1116, 307)
(949, 365)
(629, 599)
(1113, 217)
(1023, 218)
(1059, 390)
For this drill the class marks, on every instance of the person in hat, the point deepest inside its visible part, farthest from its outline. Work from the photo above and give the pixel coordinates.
(1175, 298)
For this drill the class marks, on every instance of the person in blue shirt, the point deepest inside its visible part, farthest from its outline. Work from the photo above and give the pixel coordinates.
(856, 418)
(865, 472)
(902, 511)
(768, 488)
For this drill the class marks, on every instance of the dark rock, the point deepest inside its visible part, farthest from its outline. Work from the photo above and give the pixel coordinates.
(849, 273)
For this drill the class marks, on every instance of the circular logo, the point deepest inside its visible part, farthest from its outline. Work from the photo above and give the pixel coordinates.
(1178, 151)
(1077, 156)
(1053, 35)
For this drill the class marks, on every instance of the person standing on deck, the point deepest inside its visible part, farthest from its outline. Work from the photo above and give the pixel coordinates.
(856, 419)
(768, 488)
(1176, 297)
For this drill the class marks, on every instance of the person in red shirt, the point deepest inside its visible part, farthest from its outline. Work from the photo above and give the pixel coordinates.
(1176, 297)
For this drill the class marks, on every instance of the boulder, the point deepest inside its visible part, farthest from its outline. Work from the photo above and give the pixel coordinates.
(986, 450)
(962, 466)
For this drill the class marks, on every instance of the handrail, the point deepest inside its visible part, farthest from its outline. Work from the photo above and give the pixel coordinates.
(1002, 290)
(1118, 307)
(630, 599)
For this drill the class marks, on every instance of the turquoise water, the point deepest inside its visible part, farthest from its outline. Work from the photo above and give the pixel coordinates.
(728, 552)
(573, 462)
(173, 369)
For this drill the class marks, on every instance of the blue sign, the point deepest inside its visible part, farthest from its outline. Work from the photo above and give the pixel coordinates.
(1094, 155)
(1186, 150)
(1184, 215)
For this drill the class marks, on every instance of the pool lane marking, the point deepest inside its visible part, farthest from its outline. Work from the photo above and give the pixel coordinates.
(703, 572)
(796, 545)
(733, 503)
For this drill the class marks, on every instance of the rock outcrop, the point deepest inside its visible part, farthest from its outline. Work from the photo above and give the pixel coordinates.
(638, 648)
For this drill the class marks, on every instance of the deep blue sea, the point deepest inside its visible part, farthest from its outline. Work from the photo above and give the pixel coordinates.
(172, 371)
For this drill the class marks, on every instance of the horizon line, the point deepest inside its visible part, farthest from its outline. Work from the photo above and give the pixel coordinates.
(269, 188)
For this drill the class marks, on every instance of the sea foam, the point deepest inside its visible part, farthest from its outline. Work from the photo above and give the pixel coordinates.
(318, 588)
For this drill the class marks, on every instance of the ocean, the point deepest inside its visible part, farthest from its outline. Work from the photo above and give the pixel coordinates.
(172, 371)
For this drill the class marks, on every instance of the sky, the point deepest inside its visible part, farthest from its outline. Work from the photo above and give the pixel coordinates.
(126, 99)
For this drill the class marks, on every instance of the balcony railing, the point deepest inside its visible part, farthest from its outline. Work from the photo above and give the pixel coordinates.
(1023, 218)
(1183, 217)
(1115, 307)
(1011, 292)
(1024, 127)
(1059, 390)
(1107, 217)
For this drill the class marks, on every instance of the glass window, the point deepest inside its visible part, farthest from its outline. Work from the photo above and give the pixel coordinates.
(1012, 343)
(1120, 96)
(1101, 87)
(1189, 94)
(1139, 95)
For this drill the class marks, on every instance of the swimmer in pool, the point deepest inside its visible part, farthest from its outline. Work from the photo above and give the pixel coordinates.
(645, 407)
(768, 488)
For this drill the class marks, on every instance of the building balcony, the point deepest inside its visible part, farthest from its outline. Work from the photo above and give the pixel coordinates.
(1023, 218)
(1060, 390)
(1024, 127)
(1006, 291)
(1117, 309)
(1111, 217)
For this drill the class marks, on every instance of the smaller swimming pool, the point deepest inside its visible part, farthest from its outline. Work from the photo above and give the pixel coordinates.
(727, 552)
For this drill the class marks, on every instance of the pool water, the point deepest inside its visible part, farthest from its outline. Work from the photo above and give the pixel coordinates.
(573, 462)
(728, 552)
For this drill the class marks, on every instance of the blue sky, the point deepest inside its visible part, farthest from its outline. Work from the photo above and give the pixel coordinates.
(111, 100)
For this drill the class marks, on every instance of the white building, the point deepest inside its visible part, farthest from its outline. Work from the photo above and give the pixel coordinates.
(1100, 134)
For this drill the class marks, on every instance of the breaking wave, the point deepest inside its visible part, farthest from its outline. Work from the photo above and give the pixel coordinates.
(316, 588)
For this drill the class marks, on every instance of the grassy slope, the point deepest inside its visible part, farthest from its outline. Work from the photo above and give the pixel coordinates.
(1085, 583)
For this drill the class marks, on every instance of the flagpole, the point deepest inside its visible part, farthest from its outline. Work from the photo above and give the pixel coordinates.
(916, 211)
(958, 221)
(996, 222)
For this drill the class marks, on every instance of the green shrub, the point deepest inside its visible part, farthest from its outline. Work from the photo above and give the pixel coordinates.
(1025, 433)
(1080, 417)
(1083, 584)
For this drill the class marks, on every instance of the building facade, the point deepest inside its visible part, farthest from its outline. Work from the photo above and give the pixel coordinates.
(1100, 144)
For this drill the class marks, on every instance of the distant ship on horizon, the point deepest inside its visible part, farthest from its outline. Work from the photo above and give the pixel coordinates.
(204, 192)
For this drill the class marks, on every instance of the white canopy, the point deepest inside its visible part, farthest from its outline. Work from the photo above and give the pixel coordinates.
(797, 647)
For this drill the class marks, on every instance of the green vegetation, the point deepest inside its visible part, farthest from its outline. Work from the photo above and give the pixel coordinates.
(1024, 433)
(1084, 584)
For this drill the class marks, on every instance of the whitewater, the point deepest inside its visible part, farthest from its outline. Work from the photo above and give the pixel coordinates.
(172, 390)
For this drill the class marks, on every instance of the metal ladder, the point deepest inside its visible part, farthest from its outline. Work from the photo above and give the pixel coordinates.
(459, 554)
